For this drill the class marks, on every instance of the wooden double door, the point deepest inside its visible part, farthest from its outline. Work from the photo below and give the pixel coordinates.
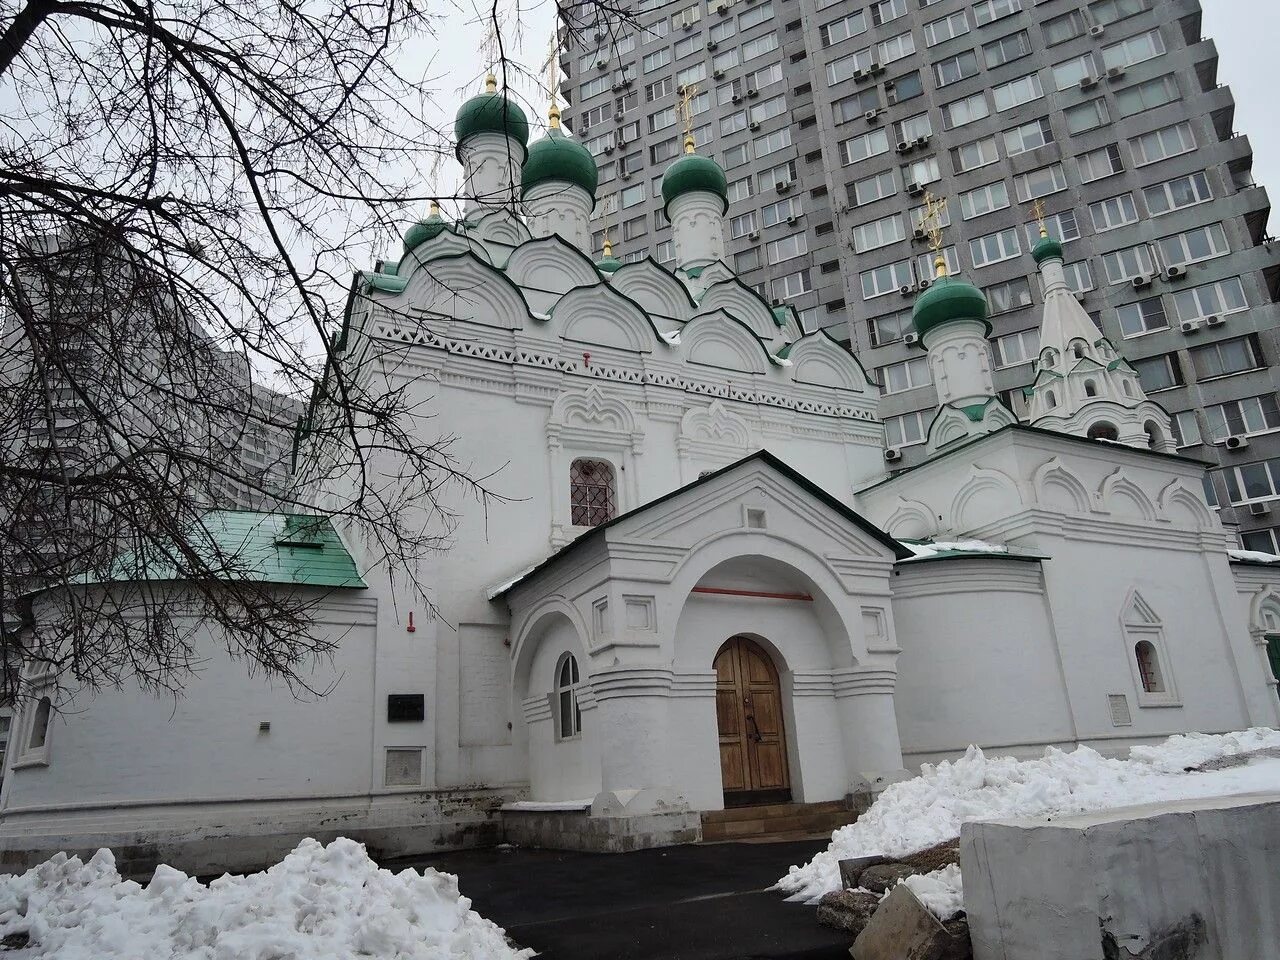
(753, 742)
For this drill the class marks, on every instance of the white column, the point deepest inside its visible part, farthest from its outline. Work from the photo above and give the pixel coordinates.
(558, 207)
(960, 361)
(491, 163)
(872, 749)
(697, 225)
(635, 772)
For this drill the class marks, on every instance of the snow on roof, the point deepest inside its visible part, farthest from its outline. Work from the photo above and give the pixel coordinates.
(937, 548)
(1252, 556)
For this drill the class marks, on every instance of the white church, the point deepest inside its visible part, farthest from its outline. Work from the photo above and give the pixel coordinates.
(705, 588)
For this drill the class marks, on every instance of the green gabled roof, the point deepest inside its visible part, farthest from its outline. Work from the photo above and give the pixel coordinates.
(977, 412)
(248, 545)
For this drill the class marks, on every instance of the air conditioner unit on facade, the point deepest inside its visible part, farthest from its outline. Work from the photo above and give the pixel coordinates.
(688, 25)
(1215, 320)
(922, 141)
(779, 302)
(616, 87)
(608, 149)
(924, 284)
(906, 290)
(599, 35)
(911, 339)
(859, 75)
(784, 186)
(1236, 443)
(1259, 509)
(626, 83)
(871, 116)
(752, 92)
(1141, 281)
(753, 125)
(602, 64)
(875, 68)
(753, 235)
(1097, 30)
(792, 218)
(1189, 326)
(904, 146)
(1088, 83)
(712, 45)
(892, 455)
(1175, 272)
(914, 189)
(722, 8)
(624, 175)
(1115, 73)
(919, 233)
(737, 98)
(717, 74)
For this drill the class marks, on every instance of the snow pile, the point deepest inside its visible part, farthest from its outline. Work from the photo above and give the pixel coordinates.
(934, 548)
(1255, 555)
(918, 813)
(941, 891)
(318, 903)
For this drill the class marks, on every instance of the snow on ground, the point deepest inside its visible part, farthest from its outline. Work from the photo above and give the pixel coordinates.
(925, 810)
(318, 903)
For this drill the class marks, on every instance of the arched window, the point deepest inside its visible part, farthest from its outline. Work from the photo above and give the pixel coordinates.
(1155, 439)
(1051, 398)
(1103, 431)
(40, 725)
(592, 493)
(1144, 652)
(1049, 358)
(1090, 388)
(568, 714)
(1077, 349)
(1127, 386)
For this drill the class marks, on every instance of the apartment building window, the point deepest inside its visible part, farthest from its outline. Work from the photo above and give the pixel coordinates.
(762, 13)
(1246, 417)
(1017, 92)
(896, 48)
(994, 247)
(1082, 117)
(983, 200)
(768, 109)
(759, 46)
(889, 328)
(742, 225)
(722, 31)
(971, 156)
(1069, 73)
(843, 68)
(921, 172)
(1015, 46)
(598, 145)
(887, 279)
(773, 142)
(873, 188)
(691, 75)
(1099, 164)
(665, 252)
(593, 87)
(1210, 300)
(1123, 265)
(686, 46)
(905, 375)
(855, 106)
(779, 175)
(1185, 428)
(725, 60)
(1113, 212)
(1016, 348)
(689, 15)
(867, 145)
(659, 89)
(1146, 95)
(771, 214)
(945, 28)
(656, 60)
(1193, 246)
(747, 260)
(664, 151)
(1162, 198)
(887, 10)
(741, 189)
(633, 195)
(662, 119)
(1133, 50)
(736, 155)
(956, 68)
(904, 88)
(989, 11)
(607, 171)
(1040, 183)
(593, 116)
(1253, 482)
(919, 213)
(1159, 373)
(733, 123)
(1008, 296)
(766, 76)
(1107, 12)
(958, 113)
(634, 228)
(1264, 541)
(878, 233)
(924, 263)
(1066, 27)
(792, 285)
(1079, 276)
(1063, 226)
(1171, 141)
(787, 248)
(1227, 357)
(905, 430)
(837, 31)
(1028, 136)
(1142, 317)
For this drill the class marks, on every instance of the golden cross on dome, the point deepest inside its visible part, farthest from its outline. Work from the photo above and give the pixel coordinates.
(1037, 211)
(552, 67)
(932, 225)
(687, 93)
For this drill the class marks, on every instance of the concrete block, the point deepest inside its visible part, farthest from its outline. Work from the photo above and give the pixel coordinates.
(1170, 881)
(902, 929)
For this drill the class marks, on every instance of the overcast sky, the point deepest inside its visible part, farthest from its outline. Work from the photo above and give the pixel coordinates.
(1246, 32)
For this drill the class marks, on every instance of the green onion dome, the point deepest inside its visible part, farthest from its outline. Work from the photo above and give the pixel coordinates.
(946, 300)
(692, 172)
(559, 159)
(608, 262)
(491, 112)
(425, 230)
(1046, 249)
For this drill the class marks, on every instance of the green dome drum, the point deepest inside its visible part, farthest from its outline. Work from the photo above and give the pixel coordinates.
(425, 230)
(694, 173)
(491, 112)
(558, 159)
(1046, 249)
(948, 300)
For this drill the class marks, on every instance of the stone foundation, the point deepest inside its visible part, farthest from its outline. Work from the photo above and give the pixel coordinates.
(579, 830)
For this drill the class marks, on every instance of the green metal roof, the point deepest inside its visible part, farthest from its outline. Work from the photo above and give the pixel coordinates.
(289, 548)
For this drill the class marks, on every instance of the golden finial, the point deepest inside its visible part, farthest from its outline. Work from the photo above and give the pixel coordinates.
(687, 93)
(607, 251)
(490, 83)
(932, 224)
(553, 82)
(1037, 211)
(435, 209)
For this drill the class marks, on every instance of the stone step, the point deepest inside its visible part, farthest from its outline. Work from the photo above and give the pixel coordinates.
(766, 811)
(775, 821)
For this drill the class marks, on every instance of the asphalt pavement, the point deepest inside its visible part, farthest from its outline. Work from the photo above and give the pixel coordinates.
(696, 902)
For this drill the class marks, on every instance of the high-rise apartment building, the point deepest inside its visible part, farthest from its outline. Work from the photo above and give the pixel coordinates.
(833, 120)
